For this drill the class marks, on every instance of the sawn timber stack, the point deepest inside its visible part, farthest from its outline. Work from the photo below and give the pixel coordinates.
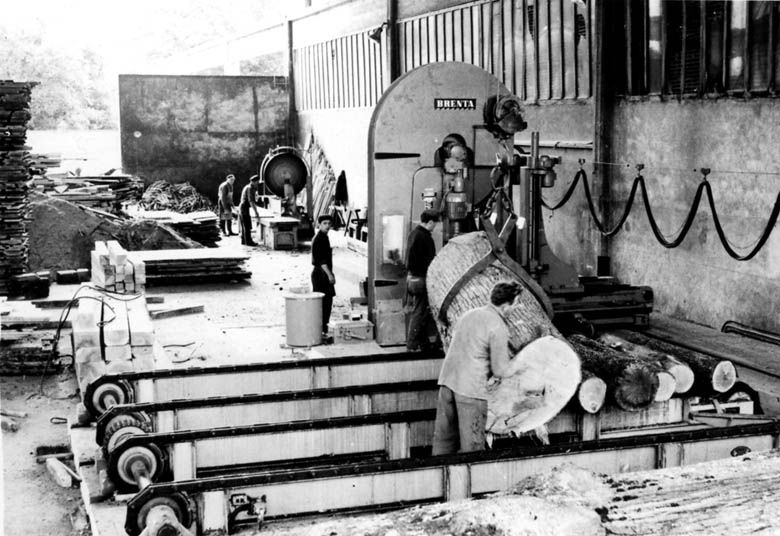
(175, 266)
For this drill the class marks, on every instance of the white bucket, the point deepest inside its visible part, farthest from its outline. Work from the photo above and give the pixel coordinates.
(304, 318)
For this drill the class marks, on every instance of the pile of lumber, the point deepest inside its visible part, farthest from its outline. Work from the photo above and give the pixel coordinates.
(29, 351)
(201, 226)
(110, 335)
(102, 192)
(323, 180)
(113, 270)
(174, 266)
(14, 174)
(624, 370)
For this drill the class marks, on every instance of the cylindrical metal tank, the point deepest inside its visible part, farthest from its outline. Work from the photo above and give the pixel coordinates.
(284, 164)
(304, 318)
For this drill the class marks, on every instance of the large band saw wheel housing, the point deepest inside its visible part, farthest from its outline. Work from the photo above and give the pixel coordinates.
(284, 163)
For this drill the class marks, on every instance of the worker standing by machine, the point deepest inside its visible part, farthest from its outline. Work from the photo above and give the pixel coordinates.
(419, 254)
(248, 199)
(322, 278)
(225, 205)
(479, 350)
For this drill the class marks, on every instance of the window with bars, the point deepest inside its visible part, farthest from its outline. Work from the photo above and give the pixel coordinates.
(696, 48)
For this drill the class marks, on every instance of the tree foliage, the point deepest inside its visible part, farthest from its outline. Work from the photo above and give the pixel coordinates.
(71, 91)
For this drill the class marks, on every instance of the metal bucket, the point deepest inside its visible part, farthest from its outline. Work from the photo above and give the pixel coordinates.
(304, 318)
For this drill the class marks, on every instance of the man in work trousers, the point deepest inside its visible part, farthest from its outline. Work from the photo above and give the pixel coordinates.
(248, 200)
(478, 351)
(225, 205)
(322, 278)
(419, 254)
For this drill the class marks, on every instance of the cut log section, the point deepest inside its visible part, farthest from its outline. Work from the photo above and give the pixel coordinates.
(713, 375)
(632, 385)
(545, 376)
(548, 370)
(591, 393)
(683, 374)
(526, 321)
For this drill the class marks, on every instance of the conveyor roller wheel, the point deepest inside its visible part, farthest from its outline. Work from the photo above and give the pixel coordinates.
(177, 503)
(109, 394)
(123, 425)
(134, 467)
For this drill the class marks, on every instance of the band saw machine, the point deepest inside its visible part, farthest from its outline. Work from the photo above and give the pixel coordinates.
(442, 137)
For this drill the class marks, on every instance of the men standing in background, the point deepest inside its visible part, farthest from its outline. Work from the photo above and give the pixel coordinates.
(248, 200)
(479, 350)
(322, 278)
(419, 254)
(225, 205)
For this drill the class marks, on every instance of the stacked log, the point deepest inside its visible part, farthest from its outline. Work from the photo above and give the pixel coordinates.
(14, 174)
(631, 384)
(712, 375)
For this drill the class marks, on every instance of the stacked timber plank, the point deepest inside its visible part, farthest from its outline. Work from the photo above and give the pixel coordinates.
(28, 351)
(101, 192)
(112, 270)
(14, 172)
(174, 266)
(111, 334)
(201, 226)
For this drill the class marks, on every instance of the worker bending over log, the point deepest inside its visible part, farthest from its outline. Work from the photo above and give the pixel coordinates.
(478, 351)
(419, 254)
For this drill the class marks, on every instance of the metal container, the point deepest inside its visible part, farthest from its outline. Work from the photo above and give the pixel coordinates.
(304, 318)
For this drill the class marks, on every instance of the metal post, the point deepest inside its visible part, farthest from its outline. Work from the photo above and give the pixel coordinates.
(393, 50)
(601, 119)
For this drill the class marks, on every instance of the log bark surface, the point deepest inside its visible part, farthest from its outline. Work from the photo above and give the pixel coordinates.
(546, 379)
(631, 384)
(713, 375)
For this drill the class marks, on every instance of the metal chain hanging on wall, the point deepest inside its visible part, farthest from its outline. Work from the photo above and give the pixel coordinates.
(639, 183)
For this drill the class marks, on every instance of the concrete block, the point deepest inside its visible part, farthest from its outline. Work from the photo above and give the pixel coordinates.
(88, 372)
(118, 367)
(116, 330)
(117, 353)
(143, 364)
(143, 353)
(87, 354)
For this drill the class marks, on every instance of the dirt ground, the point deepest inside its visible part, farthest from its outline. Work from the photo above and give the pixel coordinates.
(33, 504)
(241, 322)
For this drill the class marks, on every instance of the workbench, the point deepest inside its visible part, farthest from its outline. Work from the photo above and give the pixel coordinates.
(279, 232)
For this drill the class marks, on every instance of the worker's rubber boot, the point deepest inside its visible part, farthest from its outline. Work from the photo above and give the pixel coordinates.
(229, 226)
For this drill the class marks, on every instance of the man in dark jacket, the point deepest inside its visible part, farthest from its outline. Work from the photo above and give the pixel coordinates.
(322, 278)
(248, 200)
(419, 254)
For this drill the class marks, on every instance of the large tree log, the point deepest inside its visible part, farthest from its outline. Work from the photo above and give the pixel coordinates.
(682, 373)
(713, 375)
(631, 384)
(591, 393)
(719, 498)
(548, 374)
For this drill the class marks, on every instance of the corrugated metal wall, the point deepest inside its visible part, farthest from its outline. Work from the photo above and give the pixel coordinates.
(540, 49)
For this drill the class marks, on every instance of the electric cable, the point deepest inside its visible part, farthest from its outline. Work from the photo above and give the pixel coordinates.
(704, 187)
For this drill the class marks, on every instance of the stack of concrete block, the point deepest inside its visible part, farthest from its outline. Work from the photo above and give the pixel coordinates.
(112, 335)
(112, 270)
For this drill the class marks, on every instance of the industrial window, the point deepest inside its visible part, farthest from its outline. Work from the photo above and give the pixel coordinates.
(695, 48)
(540, 49)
